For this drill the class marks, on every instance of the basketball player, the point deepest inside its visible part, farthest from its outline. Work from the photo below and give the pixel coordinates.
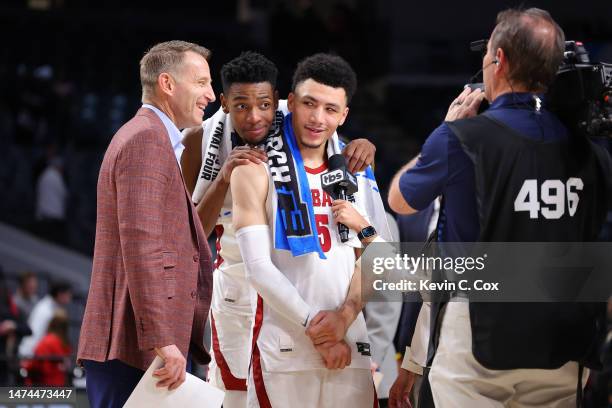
(250, 100)
(271, 211)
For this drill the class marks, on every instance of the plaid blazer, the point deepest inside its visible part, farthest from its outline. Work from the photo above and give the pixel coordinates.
(151, 282)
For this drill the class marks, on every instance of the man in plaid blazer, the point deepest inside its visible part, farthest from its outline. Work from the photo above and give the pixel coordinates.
(152, 278)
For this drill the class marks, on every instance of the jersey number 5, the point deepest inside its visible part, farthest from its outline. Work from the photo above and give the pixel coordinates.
(323, 231)
(553, 193)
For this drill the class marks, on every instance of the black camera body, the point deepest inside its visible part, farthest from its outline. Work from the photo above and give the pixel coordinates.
(581, 95)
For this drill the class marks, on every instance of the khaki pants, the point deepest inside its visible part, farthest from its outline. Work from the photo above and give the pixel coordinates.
(458, 380)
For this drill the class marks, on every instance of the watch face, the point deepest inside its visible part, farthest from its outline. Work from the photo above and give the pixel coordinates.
(367, 232)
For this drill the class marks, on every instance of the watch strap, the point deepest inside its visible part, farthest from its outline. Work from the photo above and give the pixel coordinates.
(366, 233)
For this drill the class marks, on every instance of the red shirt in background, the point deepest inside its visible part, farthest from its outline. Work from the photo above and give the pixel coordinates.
(47, 372)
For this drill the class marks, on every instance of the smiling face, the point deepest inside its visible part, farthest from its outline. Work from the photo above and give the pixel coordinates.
(193, 91)
(252, 107)
(317, 111)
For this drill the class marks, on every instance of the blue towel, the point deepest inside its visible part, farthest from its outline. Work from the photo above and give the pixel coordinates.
(295, 227)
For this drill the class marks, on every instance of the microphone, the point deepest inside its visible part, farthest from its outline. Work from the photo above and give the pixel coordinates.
(475, 76)
(484, 105)
(338, 182)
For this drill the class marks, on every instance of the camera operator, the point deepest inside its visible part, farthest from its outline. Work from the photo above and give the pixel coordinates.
(500, 354)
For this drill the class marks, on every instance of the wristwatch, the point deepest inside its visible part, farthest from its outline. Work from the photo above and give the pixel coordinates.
(366, 233)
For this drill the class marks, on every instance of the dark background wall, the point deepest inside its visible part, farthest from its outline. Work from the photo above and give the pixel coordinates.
(69, 72)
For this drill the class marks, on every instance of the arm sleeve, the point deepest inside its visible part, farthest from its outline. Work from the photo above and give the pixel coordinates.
(271, 284)
(421, 184)
(409, 364)
(416, 355)
(142, 182)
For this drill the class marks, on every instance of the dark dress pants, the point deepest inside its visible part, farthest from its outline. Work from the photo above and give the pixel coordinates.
(110, 384)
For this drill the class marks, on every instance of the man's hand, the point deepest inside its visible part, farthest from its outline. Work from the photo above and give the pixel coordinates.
(337, 356)
(465, 105)
(172, 374)
(399, 394)
(345, 213)
(359, 154)
(327, 328)
(239, 156)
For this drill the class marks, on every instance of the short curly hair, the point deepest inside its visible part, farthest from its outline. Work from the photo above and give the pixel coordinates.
(249, 67)
(327, 69)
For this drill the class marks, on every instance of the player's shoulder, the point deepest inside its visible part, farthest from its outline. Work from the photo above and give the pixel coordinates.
(249, 184)
(249, 174)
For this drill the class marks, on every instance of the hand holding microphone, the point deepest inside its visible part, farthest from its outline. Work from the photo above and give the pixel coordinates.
(347, 215)
(465, 105)
(339, 183)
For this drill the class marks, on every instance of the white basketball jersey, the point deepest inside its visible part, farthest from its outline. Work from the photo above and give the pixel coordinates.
(322, 283)
(232, 292)
(228, 253)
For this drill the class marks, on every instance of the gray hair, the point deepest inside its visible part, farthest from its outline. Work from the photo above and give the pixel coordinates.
(165, 57)
(534, 58)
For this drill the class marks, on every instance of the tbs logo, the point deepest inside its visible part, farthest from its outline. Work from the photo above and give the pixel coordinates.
(332, 177)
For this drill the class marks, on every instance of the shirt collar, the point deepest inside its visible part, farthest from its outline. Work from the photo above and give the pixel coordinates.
(176, 138)
(522, 100)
